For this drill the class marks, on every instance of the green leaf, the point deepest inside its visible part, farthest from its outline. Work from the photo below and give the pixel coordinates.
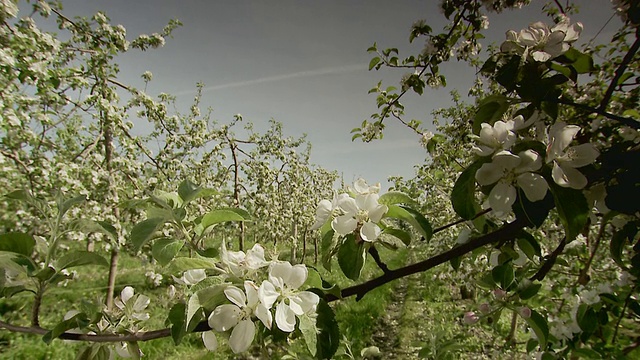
(374, 62)
(180, 264)
(572, 209)
(400, 234)
(22, 195)
(17, 242)
(326, 245)
(396, 197)
(177, 318)
(194, 311)
(587, 318)
(489, 111)
(222, 215)
(313, 279)
(529, 291)
(540, 327)
(80, 258)
(144, 230)
(503, 275)
(77, 321)
(89, 226)
(621, 238)
(188, 190)
(309, 332)
(581, 62)
(69, 203)
(351, 257)
(413, 217)
(463, 194)
(329, 332)
(164, 250)
(527, 247)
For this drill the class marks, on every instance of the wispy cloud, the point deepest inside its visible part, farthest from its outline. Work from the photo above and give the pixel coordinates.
(299, 74)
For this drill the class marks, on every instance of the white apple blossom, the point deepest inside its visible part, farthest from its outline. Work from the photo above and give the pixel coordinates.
(327, 210)
(566, 159)
(541, 42)
(495, 138)
(191, 277)
(239, 264)
(239, 317)
(508, 169)
(363, 213)
(361, 187)
(133, 305)
(282, 287)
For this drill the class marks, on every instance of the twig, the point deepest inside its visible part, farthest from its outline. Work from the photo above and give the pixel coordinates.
(620, 71)
(551, 260)
(444, 227)
(376, 257)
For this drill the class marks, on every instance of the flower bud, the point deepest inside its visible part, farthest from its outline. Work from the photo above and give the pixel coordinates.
(525, 312)
(470, 318)
(484, 308)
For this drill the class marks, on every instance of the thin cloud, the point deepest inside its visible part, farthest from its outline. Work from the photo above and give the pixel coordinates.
(300, 74)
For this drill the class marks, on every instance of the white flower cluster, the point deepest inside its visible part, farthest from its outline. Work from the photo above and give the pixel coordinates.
(507, 170)
(540, 42)
(360, 213)
(254, 302)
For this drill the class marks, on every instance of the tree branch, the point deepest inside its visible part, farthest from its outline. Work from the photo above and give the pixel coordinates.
(507, 232)
(620, 71)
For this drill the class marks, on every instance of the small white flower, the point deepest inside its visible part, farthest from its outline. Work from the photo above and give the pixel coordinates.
(567, 159)
(327, 210)
(191, 277)
(361, 187)
(541, 42)
(284, 280)
(239, 264)
(495, 138)
(133, 305)
(238, 316)
(507, 169)
(363, 212)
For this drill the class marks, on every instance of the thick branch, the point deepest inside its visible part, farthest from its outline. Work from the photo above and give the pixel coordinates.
(507, 232)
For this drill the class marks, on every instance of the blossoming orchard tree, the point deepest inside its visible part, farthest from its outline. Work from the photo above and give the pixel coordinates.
(540, 213)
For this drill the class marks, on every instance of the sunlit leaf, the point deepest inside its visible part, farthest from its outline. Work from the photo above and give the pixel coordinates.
(17, 242)
(80, 258)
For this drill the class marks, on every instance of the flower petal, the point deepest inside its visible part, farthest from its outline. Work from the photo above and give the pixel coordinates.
(534, 186)
(378, 212)
(370, 231)
(489, 173)
(236, 296)
(305, 302)
(502, 197)
(285, 317)
(264, 315)
(580, 155)
(210, 341)
(297, 276)
(268, 294)
(242, 336)
(344, 224)
(224, 317)
(126, 294)
(566, 176)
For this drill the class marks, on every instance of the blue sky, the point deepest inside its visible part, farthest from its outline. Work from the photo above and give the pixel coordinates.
(302, 63)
